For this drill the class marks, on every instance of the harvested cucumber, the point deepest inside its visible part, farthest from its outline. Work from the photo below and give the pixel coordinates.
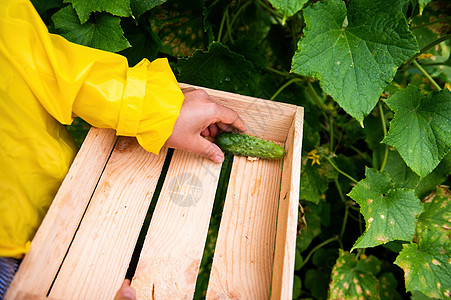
(246, 145)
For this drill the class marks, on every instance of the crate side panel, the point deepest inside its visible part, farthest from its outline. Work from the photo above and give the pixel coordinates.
(263, 118)
(172, 252)
(243, 258)
(287, 219)
(49, 246)
(100, 254)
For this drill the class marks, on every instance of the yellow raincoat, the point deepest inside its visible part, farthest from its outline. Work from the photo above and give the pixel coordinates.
(44, 82)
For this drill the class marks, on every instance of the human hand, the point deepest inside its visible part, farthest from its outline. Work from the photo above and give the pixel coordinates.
(126, 292)
(199, 118)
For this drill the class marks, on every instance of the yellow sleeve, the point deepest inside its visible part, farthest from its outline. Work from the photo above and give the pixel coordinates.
(98, 86)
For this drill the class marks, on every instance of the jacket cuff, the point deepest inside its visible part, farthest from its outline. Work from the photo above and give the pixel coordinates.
(149, 110)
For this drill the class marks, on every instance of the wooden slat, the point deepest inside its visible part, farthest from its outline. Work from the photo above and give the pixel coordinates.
(39, 267)
(243, 256)
(172, 251)
(99, 256)
(287, 219)
(263, 118)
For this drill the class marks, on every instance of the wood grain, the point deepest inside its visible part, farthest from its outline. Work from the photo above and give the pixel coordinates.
(265, 119)
(172, 252)
(49, 246)
(99, 256)
(243, 256)
(287, 219)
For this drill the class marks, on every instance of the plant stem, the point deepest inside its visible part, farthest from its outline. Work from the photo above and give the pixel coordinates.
(345, 221)
(316, 99)
(427, 75)
(284, 87)
(221, 27)
(331, 126)
(340, 171)
(384, 128)
(427, 47)
(318, 247)
(281, 73)
(240, 10)
(229, 33)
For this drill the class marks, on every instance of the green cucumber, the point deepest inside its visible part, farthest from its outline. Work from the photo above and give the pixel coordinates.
(246, 145)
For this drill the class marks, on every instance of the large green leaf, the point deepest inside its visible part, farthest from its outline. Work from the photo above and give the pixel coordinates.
(437, 212)
(427, 266)
(288, 7)
(179, 27)
(354, 51)
(144, 43)
(218, 68)
(353, 278)
(84, 8)
(421, 127)
(104, 32)
(388, 287)
(139, 7)
(390, 213)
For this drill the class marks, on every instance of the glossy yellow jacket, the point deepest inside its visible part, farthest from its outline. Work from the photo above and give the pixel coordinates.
(44, 82)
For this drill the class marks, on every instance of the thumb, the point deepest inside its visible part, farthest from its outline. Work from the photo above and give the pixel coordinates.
(208, 149)
(125, 292)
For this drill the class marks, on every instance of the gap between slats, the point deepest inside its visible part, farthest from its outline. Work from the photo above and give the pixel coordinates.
(102, 248)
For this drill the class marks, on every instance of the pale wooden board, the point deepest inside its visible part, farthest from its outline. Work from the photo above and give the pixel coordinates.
(243, 258)
(287, 219)
(266, 119)
(49, 246)
(172, 252)
(99, 256)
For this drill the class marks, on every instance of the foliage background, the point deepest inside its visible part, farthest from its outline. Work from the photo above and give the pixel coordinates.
(373, 77)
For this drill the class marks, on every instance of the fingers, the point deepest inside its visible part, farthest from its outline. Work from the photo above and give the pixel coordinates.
(209, 150)
(125, 292)
(229, 117)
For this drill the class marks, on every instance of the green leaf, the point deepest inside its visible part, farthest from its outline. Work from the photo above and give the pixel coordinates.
(288, 7)
(218, 68)
(427, 266)
(354, 51)
(388, 287)
(437, 213)
(179, 27)
(84, 8)
(401, 174)
(390, 213)
(297, 287)
(437, 177)
(298, 260)
(317, 281)
(313, 182)
(312, 230)
(352, 279)
(423, 4)
(421, 127)
(144, 43)
(139, 7)
(104, 33)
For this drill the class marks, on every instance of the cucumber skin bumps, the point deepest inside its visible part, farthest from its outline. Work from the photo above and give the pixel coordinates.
(246, 145)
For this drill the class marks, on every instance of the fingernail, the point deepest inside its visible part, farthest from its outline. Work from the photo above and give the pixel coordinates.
(219, 159)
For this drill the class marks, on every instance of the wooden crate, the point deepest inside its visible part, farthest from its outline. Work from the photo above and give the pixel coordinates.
(84, 246)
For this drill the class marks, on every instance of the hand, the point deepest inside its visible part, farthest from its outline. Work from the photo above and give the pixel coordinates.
(126, 292)
(199, 118)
